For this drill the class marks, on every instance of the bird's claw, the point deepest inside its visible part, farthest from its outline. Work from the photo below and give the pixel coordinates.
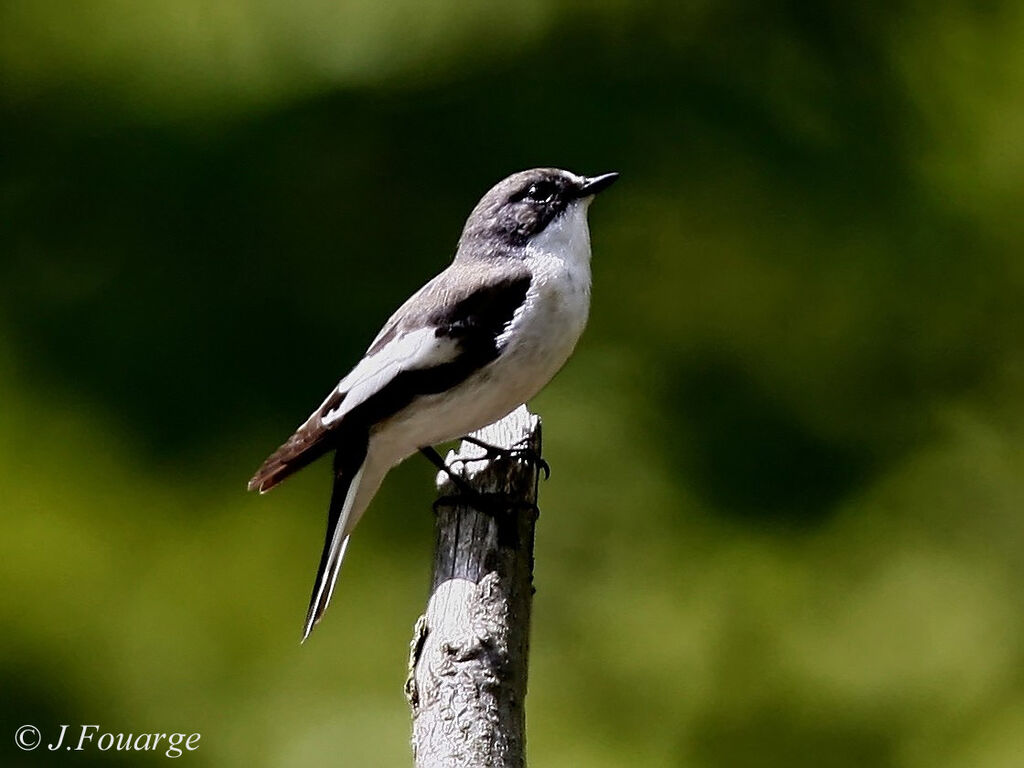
(517, 451)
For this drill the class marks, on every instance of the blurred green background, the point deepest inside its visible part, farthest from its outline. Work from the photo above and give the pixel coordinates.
(785, 522)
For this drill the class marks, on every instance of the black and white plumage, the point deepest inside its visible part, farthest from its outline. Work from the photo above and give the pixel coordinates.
(470, 346)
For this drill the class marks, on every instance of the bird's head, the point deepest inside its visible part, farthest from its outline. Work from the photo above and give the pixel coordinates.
(519, 209)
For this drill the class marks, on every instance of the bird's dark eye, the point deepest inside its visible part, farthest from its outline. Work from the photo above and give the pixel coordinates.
(540, 192)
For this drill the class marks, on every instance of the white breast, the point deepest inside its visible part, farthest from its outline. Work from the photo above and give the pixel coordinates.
(544, 331)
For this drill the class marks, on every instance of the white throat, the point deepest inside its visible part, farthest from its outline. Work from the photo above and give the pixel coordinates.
(567, 238)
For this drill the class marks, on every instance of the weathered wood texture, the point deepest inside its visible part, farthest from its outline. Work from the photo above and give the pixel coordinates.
(468, 657)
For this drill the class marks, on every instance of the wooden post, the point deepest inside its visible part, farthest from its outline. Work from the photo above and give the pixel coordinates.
(468, 656)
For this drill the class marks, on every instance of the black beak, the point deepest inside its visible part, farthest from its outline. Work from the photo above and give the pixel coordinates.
(595, 184)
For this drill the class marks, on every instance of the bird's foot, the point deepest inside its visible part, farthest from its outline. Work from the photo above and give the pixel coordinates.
(494, 504)
(519, 451)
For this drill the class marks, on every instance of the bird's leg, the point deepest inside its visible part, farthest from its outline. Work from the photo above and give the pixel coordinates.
(457, 480)
(492, 504)
(517, 451)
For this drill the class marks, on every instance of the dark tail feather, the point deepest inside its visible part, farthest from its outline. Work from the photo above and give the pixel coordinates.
(348, 472)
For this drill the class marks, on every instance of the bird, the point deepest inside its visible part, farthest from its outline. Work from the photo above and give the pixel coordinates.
(479, 339)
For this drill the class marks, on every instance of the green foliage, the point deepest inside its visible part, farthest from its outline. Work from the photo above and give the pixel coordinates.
(784, 526)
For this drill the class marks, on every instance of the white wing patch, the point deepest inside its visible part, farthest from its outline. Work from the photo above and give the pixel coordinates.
(414, 350)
